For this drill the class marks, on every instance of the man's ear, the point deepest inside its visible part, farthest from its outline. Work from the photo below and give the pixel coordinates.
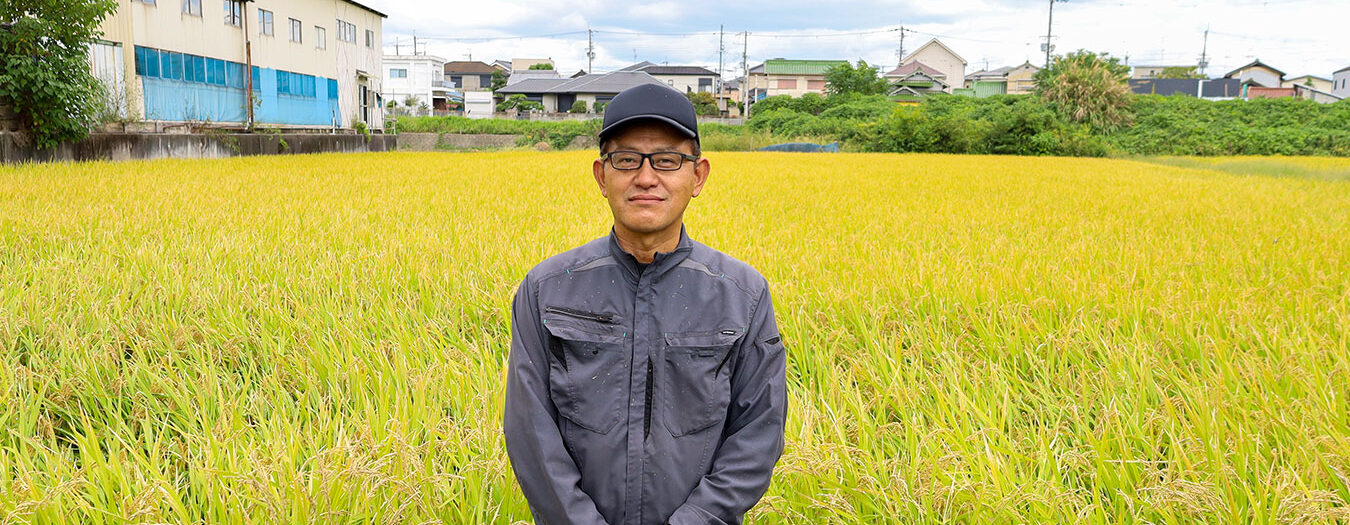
(598, 168)
(701, 171)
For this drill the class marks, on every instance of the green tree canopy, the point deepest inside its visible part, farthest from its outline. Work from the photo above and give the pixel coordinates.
(498, 79)
(864, 80)
(704, 103)
(1179, 72)
(44, 65)
(541, 66)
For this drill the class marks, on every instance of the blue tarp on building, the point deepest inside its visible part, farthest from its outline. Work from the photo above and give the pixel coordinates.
(185, 87)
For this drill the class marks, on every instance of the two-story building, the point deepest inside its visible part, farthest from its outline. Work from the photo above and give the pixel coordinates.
(419, 78)
(298, 63)
(1340, 83)
(469, 75)
(685, 79)
(937, 56)
(795, 78)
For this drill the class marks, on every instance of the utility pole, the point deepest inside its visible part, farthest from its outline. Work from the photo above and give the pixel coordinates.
(1204, 50)
(1049, 26)
(590, 51)
(248, 64)
(745, 78)
(900, 53)
(414, 43)
(721, 49)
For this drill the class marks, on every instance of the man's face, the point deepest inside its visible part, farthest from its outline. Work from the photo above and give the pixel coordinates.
(646, 200)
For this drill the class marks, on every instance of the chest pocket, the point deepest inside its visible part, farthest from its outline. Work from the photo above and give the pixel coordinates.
(696, 385)
(588, 370)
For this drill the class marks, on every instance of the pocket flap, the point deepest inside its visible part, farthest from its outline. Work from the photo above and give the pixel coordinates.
(564, 329)
(724, 337)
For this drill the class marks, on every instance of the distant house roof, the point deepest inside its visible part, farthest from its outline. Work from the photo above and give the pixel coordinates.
(1301, 77)
(911, 67)
(935, 42)
(1342, 70)
(757, 70)
(1254, 63)
(638, 66)
(917, 78)
(604, 84)
(504, 65)
(679, 70)
(579, 72)
(467, 67)
(780, 66)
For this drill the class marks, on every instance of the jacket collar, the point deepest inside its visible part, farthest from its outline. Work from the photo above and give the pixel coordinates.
(661, 262)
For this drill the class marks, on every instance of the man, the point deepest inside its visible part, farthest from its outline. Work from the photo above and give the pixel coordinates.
(646, 379)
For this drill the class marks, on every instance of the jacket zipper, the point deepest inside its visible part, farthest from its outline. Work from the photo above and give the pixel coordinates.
(581, 314)
(647, 408)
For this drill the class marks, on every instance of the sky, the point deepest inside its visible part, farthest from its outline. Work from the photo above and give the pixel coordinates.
(1295, 36)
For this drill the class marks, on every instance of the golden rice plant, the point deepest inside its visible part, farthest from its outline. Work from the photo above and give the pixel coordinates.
(320, 339)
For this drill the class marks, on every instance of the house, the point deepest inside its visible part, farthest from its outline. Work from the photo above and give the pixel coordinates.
(1022, 79)
(468, 75)
(1340, 83)
(687, 79)
(1147, 72)
(906, 70)
(1209, 89)
(795, 78)
(940, 57)
(502, 65)
(1259, 74)
(916, 85)
(559, 94)
(524, 64)
(528, 74)
(417, 77)
(1316, 95)
(729, 99)
(1312, 81)
(315, 63)
(1014, 80)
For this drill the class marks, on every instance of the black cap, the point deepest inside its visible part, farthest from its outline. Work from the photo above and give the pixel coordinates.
(650, 101)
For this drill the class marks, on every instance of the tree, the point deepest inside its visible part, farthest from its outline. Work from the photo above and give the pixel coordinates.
(518, 102)
(498, 79)
(864, 79)
(1179, 72)
(704, 103)
(599, 107)
(1089, 88)
(543, 66)
(44, 65)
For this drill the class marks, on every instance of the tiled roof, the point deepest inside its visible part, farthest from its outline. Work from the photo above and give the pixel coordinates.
(678, 70)
(786, 66)
(608, 83)
(1253, 64)
(911, 67)
(468, 67)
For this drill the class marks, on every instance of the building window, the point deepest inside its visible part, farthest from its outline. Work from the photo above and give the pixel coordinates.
(234, 12)
(456, 80)
(192, 7)
(346, 32)
(297, 35)
(815, 85)
(151, 2)
(787, 83)
(320, 37)
(370, 38)
(265, 23)
(398, 73)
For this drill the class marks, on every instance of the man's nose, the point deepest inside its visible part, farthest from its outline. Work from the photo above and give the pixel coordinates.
(646, 175)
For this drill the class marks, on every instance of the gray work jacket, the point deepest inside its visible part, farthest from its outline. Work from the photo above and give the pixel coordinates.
(644, 396)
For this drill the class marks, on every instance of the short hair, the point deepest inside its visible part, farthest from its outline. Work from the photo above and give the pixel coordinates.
(605, 142)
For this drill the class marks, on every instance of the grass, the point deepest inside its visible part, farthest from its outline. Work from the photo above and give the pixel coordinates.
(971, 339)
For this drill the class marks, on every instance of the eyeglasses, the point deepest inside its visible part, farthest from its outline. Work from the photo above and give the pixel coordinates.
(660, 161)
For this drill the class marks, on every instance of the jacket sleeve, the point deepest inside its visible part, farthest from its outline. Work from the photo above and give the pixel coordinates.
(753, 439)
(545, 471)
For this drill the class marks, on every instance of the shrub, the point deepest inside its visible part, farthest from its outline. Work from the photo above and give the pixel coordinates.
(578, 107)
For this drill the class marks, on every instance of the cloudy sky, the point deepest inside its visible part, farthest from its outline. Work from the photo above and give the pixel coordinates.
(1296, 36)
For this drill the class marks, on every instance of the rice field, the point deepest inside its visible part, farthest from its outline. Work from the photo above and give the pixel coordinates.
(321, 339)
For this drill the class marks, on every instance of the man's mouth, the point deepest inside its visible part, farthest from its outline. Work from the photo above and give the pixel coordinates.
(644, 198)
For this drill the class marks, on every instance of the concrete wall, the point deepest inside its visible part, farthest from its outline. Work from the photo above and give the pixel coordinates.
(132, 146)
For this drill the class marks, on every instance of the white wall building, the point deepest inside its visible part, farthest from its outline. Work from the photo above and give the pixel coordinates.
(316, 63)
(419, 77)
(937, 55)
(1340, 83)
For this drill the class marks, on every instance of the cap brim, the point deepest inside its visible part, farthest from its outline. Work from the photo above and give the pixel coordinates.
(616, 124)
